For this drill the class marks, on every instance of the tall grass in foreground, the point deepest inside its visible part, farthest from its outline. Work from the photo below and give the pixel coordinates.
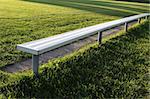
(117, 69)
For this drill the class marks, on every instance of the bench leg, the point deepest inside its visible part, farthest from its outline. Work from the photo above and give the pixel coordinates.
(146, 17)
(99, 39)
(126, 27)
(35, 64)
(139, 20)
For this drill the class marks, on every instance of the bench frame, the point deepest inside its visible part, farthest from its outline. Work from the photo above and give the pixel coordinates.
(95, 29)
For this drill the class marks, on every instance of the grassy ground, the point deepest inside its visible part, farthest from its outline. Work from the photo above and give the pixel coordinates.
(117, 69)
(27, 20)
(141, 1)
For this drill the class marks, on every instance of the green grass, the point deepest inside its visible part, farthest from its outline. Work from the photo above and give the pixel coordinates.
(141, 1)
(117, 69)
(27, 20)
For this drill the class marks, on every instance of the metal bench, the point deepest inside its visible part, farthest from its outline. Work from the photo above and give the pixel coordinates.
(41, 46)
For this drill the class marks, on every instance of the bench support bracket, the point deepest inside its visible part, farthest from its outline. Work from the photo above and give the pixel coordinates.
(99, 39)
(146, 17)
(139, 20)
(126, 27)
(35, 64)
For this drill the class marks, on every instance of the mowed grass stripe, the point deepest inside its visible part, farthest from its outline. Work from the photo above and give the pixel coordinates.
(106, 4)
(85, 5)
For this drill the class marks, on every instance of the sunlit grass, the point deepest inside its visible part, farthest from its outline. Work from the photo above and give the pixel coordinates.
(19, 9)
